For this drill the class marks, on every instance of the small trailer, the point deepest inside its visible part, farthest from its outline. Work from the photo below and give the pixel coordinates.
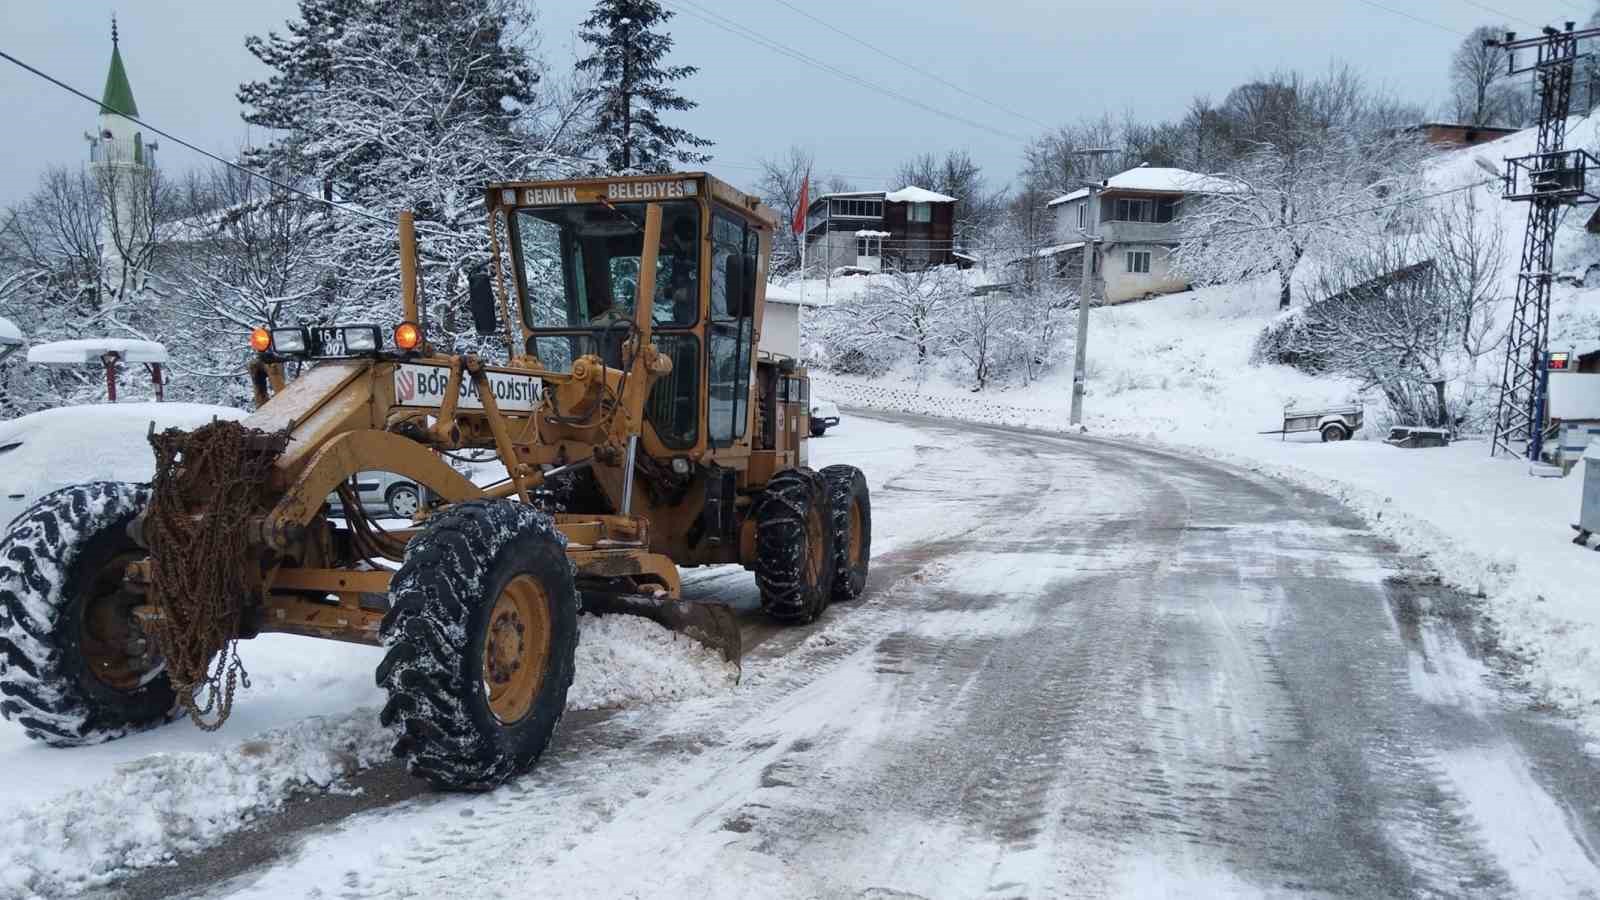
(1335, 423)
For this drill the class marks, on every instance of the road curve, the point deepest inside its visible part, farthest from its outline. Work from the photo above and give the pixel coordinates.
(1082, 669)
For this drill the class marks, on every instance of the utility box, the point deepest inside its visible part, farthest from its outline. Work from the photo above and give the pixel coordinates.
(1573, 404)
(1589, 510)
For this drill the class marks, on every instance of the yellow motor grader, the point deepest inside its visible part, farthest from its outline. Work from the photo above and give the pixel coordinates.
(636, 426)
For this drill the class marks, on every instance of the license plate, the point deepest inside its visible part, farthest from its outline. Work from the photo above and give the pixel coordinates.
(329, 342)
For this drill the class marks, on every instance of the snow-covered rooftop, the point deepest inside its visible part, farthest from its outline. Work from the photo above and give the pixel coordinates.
(10, 334)
(913, 194)
(89, 350)
(1160, 178)
(777, 293)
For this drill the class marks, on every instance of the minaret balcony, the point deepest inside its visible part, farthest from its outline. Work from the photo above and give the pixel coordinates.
(118, 150)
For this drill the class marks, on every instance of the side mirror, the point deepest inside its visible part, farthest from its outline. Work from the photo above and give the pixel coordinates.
(733, 279)
(747, 286)
(480, 297)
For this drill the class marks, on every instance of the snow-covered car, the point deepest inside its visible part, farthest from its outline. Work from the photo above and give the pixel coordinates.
(56, 448)
(824, 415)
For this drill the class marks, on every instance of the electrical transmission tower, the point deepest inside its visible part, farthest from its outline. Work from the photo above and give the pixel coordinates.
(1550, 179)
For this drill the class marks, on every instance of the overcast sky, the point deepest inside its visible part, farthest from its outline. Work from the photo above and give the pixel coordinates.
(1033, 62)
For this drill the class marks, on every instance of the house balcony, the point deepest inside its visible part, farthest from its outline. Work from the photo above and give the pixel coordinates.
(1142, 232)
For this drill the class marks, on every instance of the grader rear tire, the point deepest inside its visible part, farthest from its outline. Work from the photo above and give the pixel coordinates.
(794, 546)
(66, 626)
(851, 505)
(481, 635)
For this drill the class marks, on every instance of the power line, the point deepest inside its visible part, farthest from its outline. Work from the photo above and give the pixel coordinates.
(1502, 14)
(1402, 13)
(912, 66)
(183, 143)
(732, 27)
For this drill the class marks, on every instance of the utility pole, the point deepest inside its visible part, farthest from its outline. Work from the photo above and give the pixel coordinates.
(1091, 256)
(1549, 180)
(1091, 253)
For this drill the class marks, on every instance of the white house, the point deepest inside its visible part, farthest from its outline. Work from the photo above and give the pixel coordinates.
(1138, 215)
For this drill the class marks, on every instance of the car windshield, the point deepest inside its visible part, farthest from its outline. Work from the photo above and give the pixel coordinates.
(580, 274)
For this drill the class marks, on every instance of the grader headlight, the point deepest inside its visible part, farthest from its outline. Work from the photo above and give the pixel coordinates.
(289, 341)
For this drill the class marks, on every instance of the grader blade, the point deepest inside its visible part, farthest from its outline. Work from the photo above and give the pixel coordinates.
(712, 624)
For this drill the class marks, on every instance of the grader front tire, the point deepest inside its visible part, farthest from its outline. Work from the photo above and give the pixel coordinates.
(68, 675)
(794, 546)
(481, 635)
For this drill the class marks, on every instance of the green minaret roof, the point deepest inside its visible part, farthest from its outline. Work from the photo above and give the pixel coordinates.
(118, 95)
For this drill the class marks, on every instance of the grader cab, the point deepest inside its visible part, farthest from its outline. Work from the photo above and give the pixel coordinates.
(638, 429)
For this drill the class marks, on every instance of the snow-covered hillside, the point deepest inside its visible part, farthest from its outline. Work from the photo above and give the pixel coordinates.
(1177, 370)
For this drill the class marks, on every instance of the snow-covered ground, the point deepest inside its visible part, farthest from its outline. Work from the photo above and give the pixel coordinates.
(74, 818)
(1176, 370)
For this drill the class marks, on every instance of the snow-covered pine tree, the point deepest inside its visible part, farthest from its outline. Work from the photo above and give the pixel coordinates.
(632, 87)
(404, 104)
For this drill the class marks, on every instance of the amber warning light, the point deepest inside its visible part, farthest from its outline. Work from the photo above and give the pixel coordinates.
(260, 340)
(407, 336)
(1559, 361)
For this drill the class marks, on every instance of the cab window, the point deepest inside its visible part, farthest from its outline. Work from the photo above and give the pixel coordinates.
(729, 335)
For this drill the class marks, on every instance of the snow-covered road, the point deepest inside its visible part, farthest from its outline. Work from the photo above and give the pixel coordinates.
(1082, 668)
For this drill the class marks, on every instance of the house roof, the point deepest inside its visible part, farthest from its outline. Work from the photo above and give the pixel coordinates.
(1492, 129)
(10, 334)
(1159, 179)
(118, 95)
(913, 194)
(777, 293)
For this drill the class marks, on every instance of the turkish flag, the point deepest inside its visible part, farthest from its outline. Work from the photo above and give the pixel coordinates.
(799, 223)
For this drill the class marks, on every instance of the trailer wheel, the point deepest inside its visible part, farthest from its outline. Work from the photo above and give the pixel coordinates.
(481, 635)
(1334, 432)
(851, 504)
(74, 667)
(794, 546)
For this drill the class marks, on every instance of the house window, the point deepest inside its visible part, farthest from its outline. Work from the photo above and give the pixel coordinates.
(919, 212)
(1139, 261)
(1129, 210)
(860, 209)
(1083, 216)
(1167, 210)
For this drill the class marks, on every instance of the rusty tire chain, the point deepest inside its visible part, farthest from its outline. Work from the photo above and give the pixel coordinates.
(208, 485)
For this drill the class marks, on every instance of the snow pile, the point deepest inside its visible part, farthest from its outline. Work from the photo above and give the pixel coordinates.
(626, 660)
(914, 194)
(9, 332)
(171, 803)
(89, 350)
(70, 445)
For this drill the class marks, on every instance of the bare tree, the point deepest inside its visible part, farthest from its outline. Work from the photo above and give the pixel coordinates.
(247, 256)
(1475, 71)
(838, 184)
(779, 185)
(956, 175)
(1410, 316)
